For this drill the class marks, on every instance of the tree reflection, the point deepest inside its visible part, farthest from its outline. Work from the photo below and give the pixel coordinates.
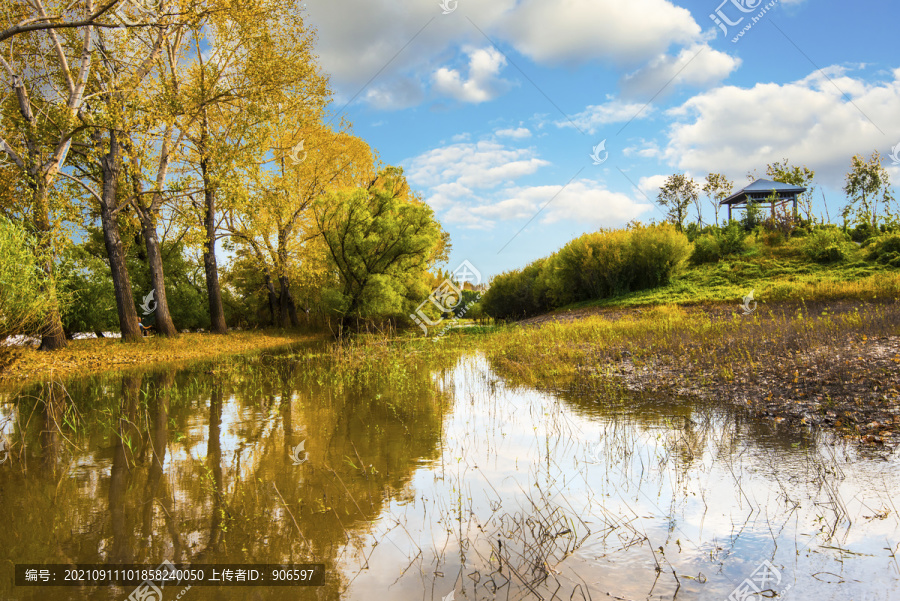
(197, 467)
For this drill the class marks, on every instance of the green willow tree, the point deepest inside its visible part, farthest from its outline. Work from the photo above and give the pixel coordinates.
(382, 240)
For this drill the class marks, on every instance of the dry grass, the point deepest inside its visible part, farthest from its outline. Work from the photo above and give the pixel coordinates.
(82, 357)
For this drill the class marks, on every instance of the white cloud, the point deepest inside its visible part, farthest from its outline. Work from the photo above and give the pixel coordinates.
(699, 66)
(596, 115)
(390, 40)
(645, 150)
(576, 31)
(517, 133)
(465, 217)
(483, 83)
(582, 201)
(477, 165)
(403, 92)
(734, 130)
(444, 196)
(506, 210)
(650, 185)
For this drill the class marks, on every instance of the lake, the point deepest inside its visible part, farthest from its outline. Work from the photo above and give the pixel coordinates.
(444, 481)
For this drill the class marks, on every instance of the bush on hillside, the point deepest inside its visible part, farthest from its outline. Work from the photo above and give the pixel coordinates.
(886, 249)
(706, 249)
(719, 243)
(863, 232)
(827, 245)
(596, 265)
(656, 254)
(516, 294)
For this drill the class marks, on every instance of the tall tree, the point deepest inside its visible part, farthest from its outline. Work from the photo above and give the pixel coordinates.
(717, 187)
(126, 58)
(163, 108)
(676, 195)
(867, 182)
(275, 223)
(47, 71)
(244, 55)
(786, 173)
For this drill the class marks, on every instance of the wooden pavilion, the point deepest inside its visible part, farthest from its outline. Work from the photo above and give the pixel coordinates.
(760, 191)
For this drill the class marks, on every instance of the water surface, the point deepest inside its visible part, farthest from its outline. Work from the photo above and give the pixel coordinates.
(412, 484)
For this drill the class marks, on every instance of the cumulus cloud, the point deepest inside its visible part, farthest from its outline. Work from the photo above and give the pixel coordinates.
(582, 201)
(734, 130)
(445, 196)
(592, 118)
(402, 93)
(389, 40)
(518, 133)
(699, 66)
(576, 31)
(645, 150)
(476, 165)
(649, 186)
(483, 82)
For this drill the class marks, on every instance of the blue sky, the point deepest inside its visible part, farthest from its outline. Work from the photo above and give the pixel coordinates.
(493, 109)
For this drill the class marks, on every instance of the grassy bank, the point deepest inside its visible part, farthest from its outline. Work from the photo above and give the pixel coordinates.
(829, 363)
(82, 357)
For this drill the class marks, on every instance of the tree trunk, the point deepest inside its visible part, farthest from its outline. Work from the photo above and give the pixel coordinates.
(53, 337)
(110, 166)
(273, 298)
(288, 308)
(164, 325)
(216, 311)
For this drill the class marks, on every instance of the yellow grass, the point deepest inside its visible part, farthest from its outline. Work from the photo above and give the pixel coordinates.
(83, 357)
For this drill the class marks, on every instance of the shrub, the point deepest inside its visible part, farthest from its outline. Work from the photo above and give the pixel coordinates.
(732, 239)
(886, 249)
(719, 243)
(863, 232)
(512, 295)
(827, 245)
(595, 265)
(753, 216)
(656, 253)
(23, 300)
(706, 249)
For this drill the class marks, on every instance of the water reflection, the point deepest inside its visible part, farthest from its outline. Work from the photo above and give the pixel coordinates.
(445, 480)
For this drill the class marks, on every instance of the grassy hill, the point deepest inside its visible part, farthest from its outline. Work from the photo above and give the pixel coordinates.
(657, 265)
(775, 273)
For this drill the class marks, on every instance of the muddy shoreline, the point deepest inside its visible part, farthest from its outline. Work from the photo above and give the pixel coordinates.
(851, 385)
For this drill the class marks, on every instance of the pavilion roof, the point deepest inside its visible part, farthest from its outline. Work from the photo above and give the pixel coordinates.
(761, 189)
